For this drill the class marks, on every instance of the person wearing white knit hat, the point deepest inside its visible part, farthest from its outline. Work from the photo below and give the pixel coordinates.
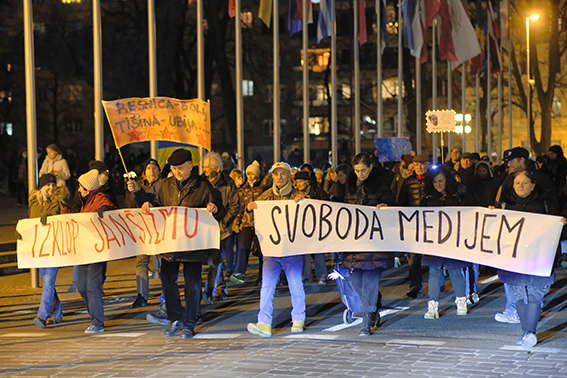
(91, 276)
(254, 169)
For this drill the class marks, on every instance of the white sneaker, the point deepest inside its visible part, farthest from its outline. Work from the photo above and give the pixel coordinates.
(507, 317)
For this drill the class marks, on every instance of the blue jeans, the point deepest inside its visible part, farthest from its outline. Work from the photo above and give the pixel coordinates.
(318, 263)
(471, 273)
(456, 279)
(366, 283)
(292, 266)
(192, 275)
(229, 254)
(91, 278)
(50, 303)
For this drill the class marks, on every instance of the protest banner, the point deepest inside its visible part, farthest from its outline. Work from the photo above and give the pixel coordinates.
(512, 240)
(159, 118)
(84, 238)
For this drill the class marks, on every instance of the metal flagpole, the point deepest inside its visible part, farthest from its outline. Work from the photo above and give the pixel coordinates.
(239, 99)
(418, 111)
(97, 53)
(488, 105)
(30, 110)
(356, 120)
(499, 146)
(276, 89)
(434, 86)
(477, 115)
(334, 158)
(306, 157)
(379, 120)
(152, 63)
(400, 71)
(449, 101)
(200, 66)
(509, 89)
(463, 107)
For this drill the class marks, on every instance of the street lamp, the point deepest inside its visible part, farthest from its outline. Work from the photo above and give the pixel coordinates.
(533, 17)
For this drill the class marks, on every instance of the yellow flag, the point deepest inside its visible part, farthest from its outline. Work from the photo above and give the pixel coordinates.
(265, 12)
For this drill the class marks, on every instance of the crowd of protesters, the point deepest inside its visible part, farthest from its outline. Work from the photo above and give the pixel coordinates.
(465, 179)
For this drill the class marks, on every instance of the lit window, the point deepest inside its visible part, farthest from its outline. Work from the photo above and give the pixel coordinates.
(247, 88)
(556, 106)
(39, 27)
(318, 125)
(70, 1)
(6, 128)
(246, 20)
(346, 91)
(75, 92)
(321, 93)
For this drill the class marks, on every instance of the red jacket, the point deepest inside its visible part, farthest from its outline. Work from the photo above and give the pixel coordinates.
(95, 200)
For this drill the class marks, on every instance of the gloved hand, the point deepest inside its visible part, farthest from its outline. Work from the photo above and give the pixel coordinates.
(43, 218)
(101, 211)
(397, 262)
(133, 186)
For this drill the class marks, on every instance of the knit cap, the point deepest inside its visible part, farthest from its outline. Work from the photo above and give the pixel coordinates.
(90, 180)
(45, 179)
(254, 168)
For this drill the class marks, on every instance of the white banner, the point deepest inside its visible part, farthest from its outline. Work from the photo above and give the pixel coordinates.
(513, 240)
(76, 239)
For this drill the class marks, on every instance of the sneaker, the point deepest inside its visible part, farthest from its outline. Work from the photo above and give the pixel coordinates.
(159, 317)
(54, 321)
(175, 327)
(187, 333)
(298, 326)
(529, 341)
(237, 278)
(412, 294)
(322, 281)
(221, 297)
(208, 299)
(472, 299)
(95, 329)
(261, 329)
(507, 317)
(39, 322)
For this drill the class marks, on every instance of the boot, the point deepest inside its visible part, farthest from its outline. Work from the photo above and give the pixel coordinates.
(432, 310)
(461, 305)
(366, 324)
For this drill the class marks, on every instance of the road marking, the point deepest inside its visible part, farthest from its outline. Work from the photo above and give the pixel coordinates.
(312, 337)
(489, 280)
(122, 334)
(340, 327)
(217, 335)
(415, 342)
(24, 311)
(25, 334)
(534, 349)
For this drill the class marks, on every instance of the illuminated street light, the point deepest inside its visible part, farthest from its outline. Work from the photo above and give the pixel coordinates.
(533, 17)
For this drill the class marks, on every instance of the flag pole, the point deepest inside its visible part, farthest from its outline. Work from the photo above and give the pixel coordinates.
(200, 66)
(334, 158)
(152, 65)
(463, 107)
(400, 71)
(434, 86)
(488, 104)
(477, 115)
(97, 57)
(306, 157)
(276, 88)
(379, 126)
(356, 120)
(499, 146)
(449, 104)
(510, 47)
(239, 99)
(418, 110)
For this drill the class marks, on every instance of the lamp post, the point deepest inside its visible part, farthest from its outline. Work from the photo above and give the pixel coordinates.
(533, 17)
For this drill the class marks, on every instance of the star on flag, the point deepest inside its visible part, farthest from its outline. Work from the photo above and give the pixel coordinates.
(201, 141)
(134, 135)
(166, 134)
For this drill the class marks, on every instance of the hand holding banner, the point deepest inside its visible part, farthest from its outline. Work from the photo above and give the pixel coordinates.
(159, 118)
(511, 240)
(84, 238)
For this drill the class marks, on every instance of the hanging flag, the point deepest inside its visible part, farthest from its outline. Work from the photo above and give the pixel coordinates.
(293, 25)
(446, 46)
(493, 26)
(428, 10)
(265, 12)
(231, 9)
(362, 36)
(412, 27)
(480, 23)
(464, 37)
(383, 22)
(299, 13)
(324, 26)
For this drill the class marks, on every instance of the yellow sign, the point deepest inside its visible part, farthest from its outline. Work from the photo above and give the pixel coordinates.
(159, 118)
(438, 121)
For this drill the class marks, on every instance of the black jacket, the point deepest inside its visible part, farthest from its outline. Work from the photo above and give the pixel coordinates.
(411, 192)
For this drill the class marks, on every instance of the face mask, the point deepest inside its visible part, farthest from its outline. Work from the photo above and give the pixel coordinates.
(25, 156)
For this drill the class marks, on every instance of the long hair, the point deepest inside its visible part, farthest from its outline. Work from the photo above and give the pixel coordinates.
(450, 182)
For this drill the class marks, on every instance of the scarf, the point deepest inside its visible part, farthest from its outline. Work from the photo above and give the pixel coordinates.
(361, 196)
(283, 192)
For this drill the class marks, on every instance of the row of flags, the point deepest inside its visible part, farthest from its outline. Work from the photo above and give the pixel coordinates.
(459, 41)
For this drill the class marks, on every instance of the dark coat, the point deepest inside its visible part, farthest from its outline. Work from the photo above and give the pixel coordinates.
(411, 192)
(376, 191)
(230, 200)
(195, 192)
(536, 202)
(248, 193)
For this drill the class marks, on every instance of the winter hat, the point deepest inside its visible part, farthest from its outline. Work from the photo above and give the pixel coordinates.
(302, 175)
(89, 180)
(516, 152)
(151, 161)
(45, 179)
(420, 158)
(180, 156)
(98, 165)
(557, 149)
(281, 165)
(254, 168)
(407, 159)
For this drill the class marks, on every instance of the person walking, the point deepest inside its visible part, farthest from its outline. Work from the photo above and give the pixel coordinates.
(55, 164)
(48, 199)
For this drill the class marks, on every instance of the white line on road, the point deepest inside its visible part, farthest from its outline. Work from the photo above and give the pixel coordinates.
(415, 342)
(312, 337)
(534, 349)
(358, 321)
(489, 280)
(217, 335)
(25, 334)
(122, 334)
